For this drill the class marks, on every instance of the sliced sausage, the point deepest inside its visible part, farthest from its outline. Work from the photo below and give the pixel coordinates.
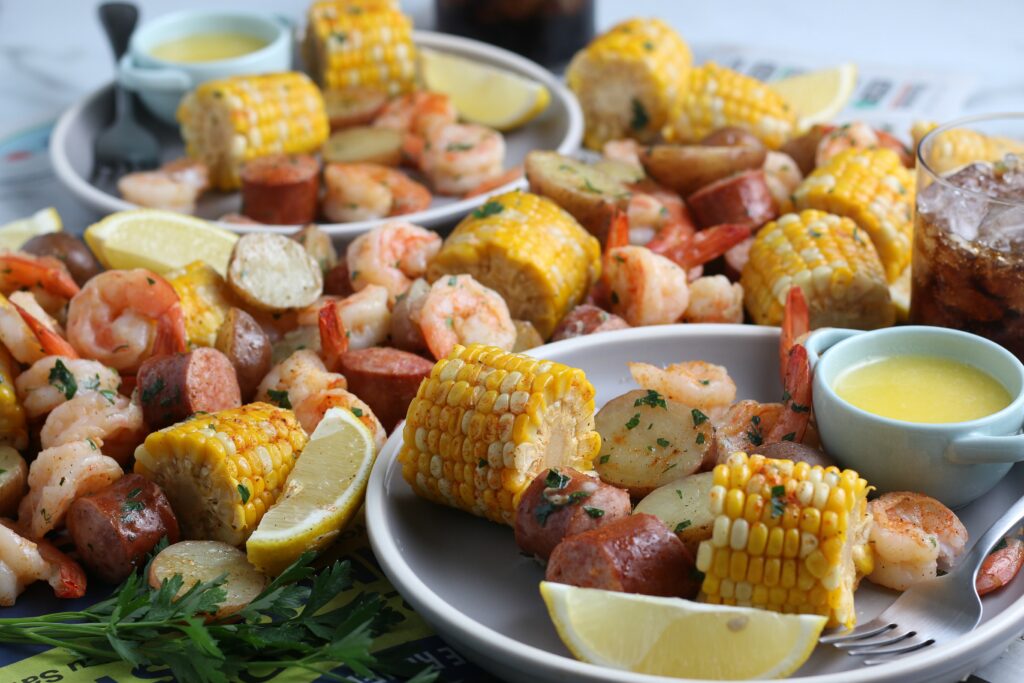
(743, 198)
(172, 388)
(634, 554)
(562, 502)
(406, 333)
(587, 319)
(114, 529)
(337, 282)
(281, 189)
(386, 379)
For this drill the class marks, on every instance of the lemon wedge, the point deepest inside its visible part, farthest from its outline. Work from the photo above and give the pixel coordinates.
(16, 233)
(818, 96)
(483, 93)
(675, 637)
(161, 241)
(322, 495)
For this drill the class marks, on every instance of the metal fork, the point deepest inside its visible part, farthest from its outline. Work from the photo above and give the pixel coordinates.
(124, 146)
(930, 612)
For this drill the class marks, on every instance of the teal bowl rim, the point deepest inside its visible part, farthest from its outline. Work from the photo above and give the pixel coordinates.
(284, 33)
(1016, 404)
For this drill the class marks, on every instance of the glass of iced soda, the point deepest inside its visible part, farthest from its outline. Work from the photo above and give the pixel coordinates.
(968, 262)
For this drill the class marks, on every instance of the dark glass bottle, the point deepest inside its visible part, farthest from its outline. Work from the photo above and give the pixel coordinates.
(546, 31)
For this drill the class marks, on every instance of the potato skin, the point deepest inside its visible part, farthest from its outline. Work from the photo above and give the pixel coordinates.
(648, 441)
(684, 506)
(248, 347)
(687, 168)
(804, 148)
(732, 136)
(797, 452)
(69, 250)
(587, 319)
(585, 192)
(273, 273)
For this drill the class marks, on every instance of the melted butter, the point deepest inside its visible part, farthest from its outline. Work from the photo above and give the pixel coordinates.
(922, 389)
(207, 47)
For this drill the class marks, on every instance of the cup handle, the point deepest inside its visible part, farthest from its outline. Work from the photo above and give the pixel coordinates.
(822, 340)
(979, 450)
(135, 78)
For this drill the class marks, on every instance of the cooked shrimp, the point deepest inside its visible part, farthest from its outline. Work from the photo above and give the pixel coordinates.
(689, 249)
(461, 156)
(856, 135)
(460, 310)
(645, 288)
(301, 374)
(158, 190)
(913, 535)
(796, 325)
(59, 475)
(626, 150)
(418, 113)
(358, 321)
(782, 176)
(647, 216)
(713, 299)
(43, 327)
(108, 418)
(744, 425)
(37, 274)
(17, 336)
(23, 562)
(122, 317)
(52, 380)
(357, 192)
(1001, 565)
(311, 410)
(705, 386)
(392, 256)
(491, 184)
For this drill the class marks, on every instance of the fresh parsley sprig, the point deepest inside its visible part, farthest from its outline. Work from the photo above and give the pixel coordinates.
(289, 624)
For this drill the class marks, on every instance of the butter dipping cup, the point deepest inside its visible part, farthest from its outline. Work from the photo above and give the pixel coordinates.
(954, 462)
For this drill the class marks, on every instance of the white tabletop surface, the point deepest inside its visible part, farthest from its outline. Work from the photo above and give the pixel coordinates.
(53, 52)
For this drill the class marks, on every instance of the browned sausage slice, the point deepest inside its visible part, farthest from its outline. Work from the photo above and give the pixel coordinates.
(281, 189)
(563, 502)
(634, 554)
(743, 198)
(114, 529)
(386, 379)
(172, 388)
(587, 319)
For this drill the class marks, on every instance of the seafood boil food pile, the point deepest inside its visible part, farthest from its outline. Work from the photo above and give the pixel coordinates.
(196, 423)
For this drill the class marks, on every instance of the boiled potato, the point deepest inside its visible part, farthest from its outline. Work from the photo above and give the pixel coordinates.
(304, 337)
(687, 168)
(648, 440)
(797, 452)
(273, 273)
(527, 336)
(364, 144)
(685, 507)
(731, 136)
(199, 561)
(318, 244)
(590, 195)
(352, 106)
(13, 477)
(247, 346)
(804, 148)
(620, 170)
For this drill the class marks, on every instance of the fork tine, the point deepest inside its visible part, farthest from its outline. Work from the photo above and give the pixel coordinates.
(890, 637)
(907, 643)
(883, 657)
(871, 628)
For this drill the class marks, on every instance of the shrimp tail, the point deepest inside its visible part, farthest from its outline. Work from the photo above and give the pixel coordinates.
(1000, 567)
(796, 321)
(796, 400)
(494, 183)
(171, 337)
(47, 273)
(617, 236)
(708, 244)
(53, 344)
(333, 336)
(676, 234)
(67, 578)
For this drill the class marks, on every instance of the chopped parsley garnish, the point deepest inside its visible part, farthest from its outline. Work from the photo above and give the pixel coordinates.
(279, 398)
(778, 500)
(131, 505)
(615, 298)
(556, 480)
(150, 392)
(633, 421)
(705, 382)
(488, 209)
(244, 493)
(652, 399)
(91, 383)
(150, 280)
(589, 187)
(481, 463)
(700, 439)
(109, 394)
(789, 437)
(754, 433)
(63, 380)
(669, 467)
(786, 396)
(683, 525)
(459, 147)
(593, 512)
(799, 407)
(699, 418)
(452, 281)
(358, 412)
(664, 443)
(679, 493)
(603, 459)
(640, 116)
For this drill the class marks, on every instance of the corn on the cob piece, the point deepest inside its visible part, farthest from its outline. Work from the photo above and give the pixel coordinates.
(205, 300)
(830, 259)
(787, 537)
(716, 96)
(873, 189)
(627, 79)
(957, 147)
(13, 430)
(487, 421)
(360, 44)
(221, 471)
(529, 250)
(230, 121)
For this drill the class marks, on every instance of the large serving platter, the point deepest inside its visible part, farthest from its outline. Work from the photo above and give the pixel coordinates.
(465, 576)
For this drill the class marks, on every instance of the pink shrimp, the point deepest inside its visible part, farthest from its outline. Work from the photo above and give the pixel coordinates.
(796, 323)
(43, 272)
(391, 255)
(122, 317)
(1000, 566)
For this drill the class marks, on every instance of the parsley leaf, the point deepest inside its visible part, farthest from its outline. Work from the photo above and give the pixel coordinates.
(63, 380)
(488, 209)
(640, 116)
(633, 421)
(664, 443)
(279, 398)
(778, 500)
(699, 418)
(652, 399)
(154, 388)
(593, 512)
(682, 525)
(244, 493)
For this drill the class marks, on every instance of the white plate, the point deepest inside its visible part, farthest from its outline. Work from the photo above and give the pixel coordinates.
(465, 576)
(560, 128)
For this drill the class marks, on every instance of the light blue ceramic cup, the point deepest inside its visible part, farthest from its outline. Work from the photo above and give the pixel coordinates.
(955, 462)
(161, 84)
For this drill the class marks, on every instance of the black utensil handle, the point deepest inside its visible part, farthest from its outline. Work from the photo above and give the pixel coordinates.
(118, 19)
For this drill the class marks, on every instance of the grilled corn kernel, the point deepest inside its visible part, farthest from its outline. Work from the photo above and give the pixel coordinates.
(791, 567)
(13, 429)
(205, 301)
